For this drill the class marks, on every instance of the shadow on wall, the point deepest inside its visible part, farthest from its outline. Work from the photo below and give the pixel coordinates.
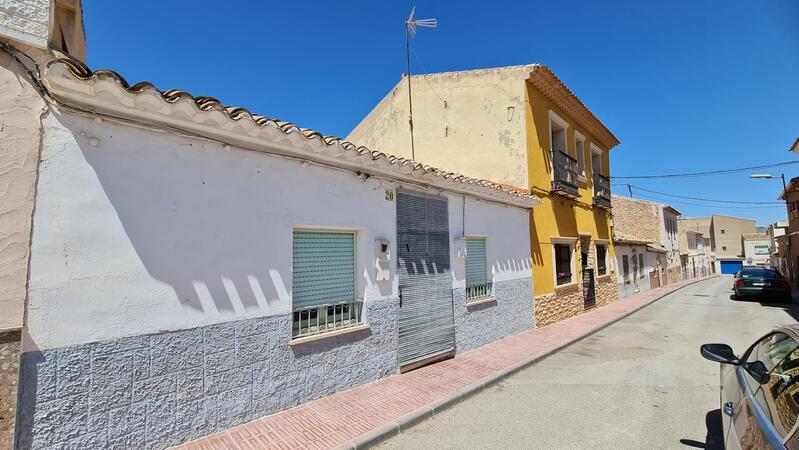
(535, 250)
(190, 221)
(511, 265)
(601, 220)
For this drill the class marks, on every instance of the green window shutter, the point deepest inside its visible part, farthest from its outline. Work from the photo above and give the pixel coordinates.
(323, 268)
(475, 261)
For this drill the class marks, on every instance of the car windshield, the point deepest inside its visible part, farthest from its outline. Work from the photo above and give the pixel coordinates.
(759, 272)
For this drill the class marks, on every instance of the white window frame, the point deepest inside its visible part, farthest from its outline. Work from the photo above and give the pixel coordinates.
(489, 275)
(580, 155)
(554, 117)
(572, 243)
(595, 151)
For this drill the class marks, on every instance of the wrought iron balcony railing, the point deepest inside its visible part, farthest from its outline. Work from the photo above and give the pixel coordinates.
(564, 181)
(601, 191)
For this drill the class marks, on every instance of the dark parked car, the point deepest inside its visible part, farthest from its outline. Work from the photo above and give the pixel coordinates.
(761, 282)
(760, 391)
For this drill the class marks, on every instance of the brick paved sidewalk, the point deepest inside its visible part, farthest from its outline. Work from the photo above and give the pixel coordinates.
(365, 415)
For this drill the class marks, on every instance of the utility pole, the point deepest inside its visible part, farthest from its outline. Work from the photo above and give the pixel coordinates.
(410, 31)
(410, 97)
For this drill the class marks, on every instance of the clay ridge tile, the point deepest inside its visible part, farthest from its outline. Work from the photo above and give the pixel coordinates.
(206, 103)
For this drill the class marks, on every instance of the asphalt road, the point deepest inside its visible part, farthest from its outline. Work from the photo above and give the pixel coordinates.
(639, 383)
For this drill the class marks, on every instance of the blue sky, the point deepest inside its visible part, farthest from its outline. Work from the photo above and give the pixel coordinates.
(686, 85)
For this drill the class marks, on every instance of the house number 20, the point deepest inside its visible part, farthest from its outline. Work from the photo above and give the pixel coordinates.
(390, 196)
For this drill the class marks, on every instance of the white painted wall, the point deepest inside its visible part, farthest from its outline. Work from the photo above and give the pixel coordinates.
(650, 260)
(146, 232)
(507, 245)
(25, 21)
(749, 251)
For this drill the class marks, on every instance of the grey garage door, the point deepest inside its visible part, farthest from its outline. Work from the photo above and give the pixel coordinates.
(426, 325)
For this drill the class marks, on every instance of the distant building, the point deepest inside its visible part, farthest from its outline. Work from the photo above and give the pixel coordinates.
(647, 246)
(776, 235)
(702, 225)
(693, 258)
(757, 249)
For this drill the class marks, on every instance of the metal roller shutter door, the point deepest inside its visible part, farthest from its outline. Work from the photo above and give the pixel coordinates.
(426, 323)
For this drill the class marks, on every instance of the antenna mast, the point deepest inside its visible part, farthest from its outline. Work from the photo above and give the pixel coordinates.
(410, 31)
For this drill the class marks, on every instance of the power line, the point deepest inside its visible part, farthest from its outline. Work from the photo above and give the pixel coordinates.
(680, 202)
(709, 173)
(741, 202)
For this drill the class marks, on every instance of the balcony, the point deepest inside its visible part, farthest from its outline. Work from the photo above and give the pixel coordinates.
(564, 181)
(601, 191)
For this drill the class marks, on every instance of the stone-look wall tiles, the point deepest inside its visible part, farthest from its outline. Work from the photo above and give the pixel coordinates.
(10, 348)
(511, 313)
(635, 219)
(569, 302)
(159, 390)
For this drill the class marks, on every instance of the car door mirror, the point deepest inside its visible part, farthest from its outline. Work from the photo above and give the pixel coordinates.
(721, 353)
(758, 371)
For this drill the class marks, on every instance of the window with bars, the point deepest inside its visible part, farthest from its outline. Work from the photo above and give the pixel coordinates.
(323, 282)
(601, 260)
(563, 264)
(478, 286)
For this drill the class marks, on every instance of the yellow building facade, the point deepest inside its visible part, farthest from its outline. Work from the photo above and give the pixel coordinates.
(523, 127)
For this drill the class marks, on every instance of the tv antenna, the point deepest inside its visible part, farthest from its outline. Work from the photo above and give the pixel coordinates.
(410, 32)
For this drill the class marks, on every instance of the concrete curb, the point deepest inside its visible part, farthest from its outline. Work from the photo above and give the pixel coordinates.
(402, 424)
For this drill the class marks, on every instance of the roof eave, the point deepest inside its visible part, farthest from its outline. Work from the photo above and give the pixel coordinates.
(552, 87)
(107, 93)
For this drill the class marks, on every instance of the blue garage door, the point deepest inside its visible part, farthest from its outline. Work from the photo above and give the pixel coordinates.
(731, 267)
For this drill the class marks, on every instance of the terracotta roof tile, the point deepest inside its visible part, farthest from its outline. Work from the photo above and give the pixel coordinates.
(205, 103)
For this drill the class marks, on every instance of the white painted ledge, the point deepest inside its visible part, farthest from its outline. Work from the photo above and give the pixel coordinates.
(328, 334)
(482, 301)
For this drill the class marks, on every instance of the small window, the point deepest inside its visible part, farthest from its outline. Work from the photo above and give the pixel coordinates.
(323, 282)
(641, 264)
(563, 264)
(557, 133)
(761, 250)
(596, 160)
(625, 265)
(601, 260)
(478, 286)
(579, 149)
(724, 247)
(722, 231)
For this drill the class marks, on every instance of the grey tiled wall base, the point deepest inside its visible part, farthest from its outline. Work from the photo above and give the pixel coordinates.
(159, 390)
(512, 313)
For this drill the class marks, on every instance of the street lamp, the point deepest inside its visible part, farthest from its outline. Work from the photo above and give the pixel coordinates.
(767, 176)
(784, 193)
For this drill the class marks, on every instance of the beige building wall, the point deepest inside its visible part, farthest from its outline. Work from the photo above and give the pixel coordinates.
(698, 224)
(726, 233)
(752, 244)
(635, 219)
(21, 108)
(470, 122)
